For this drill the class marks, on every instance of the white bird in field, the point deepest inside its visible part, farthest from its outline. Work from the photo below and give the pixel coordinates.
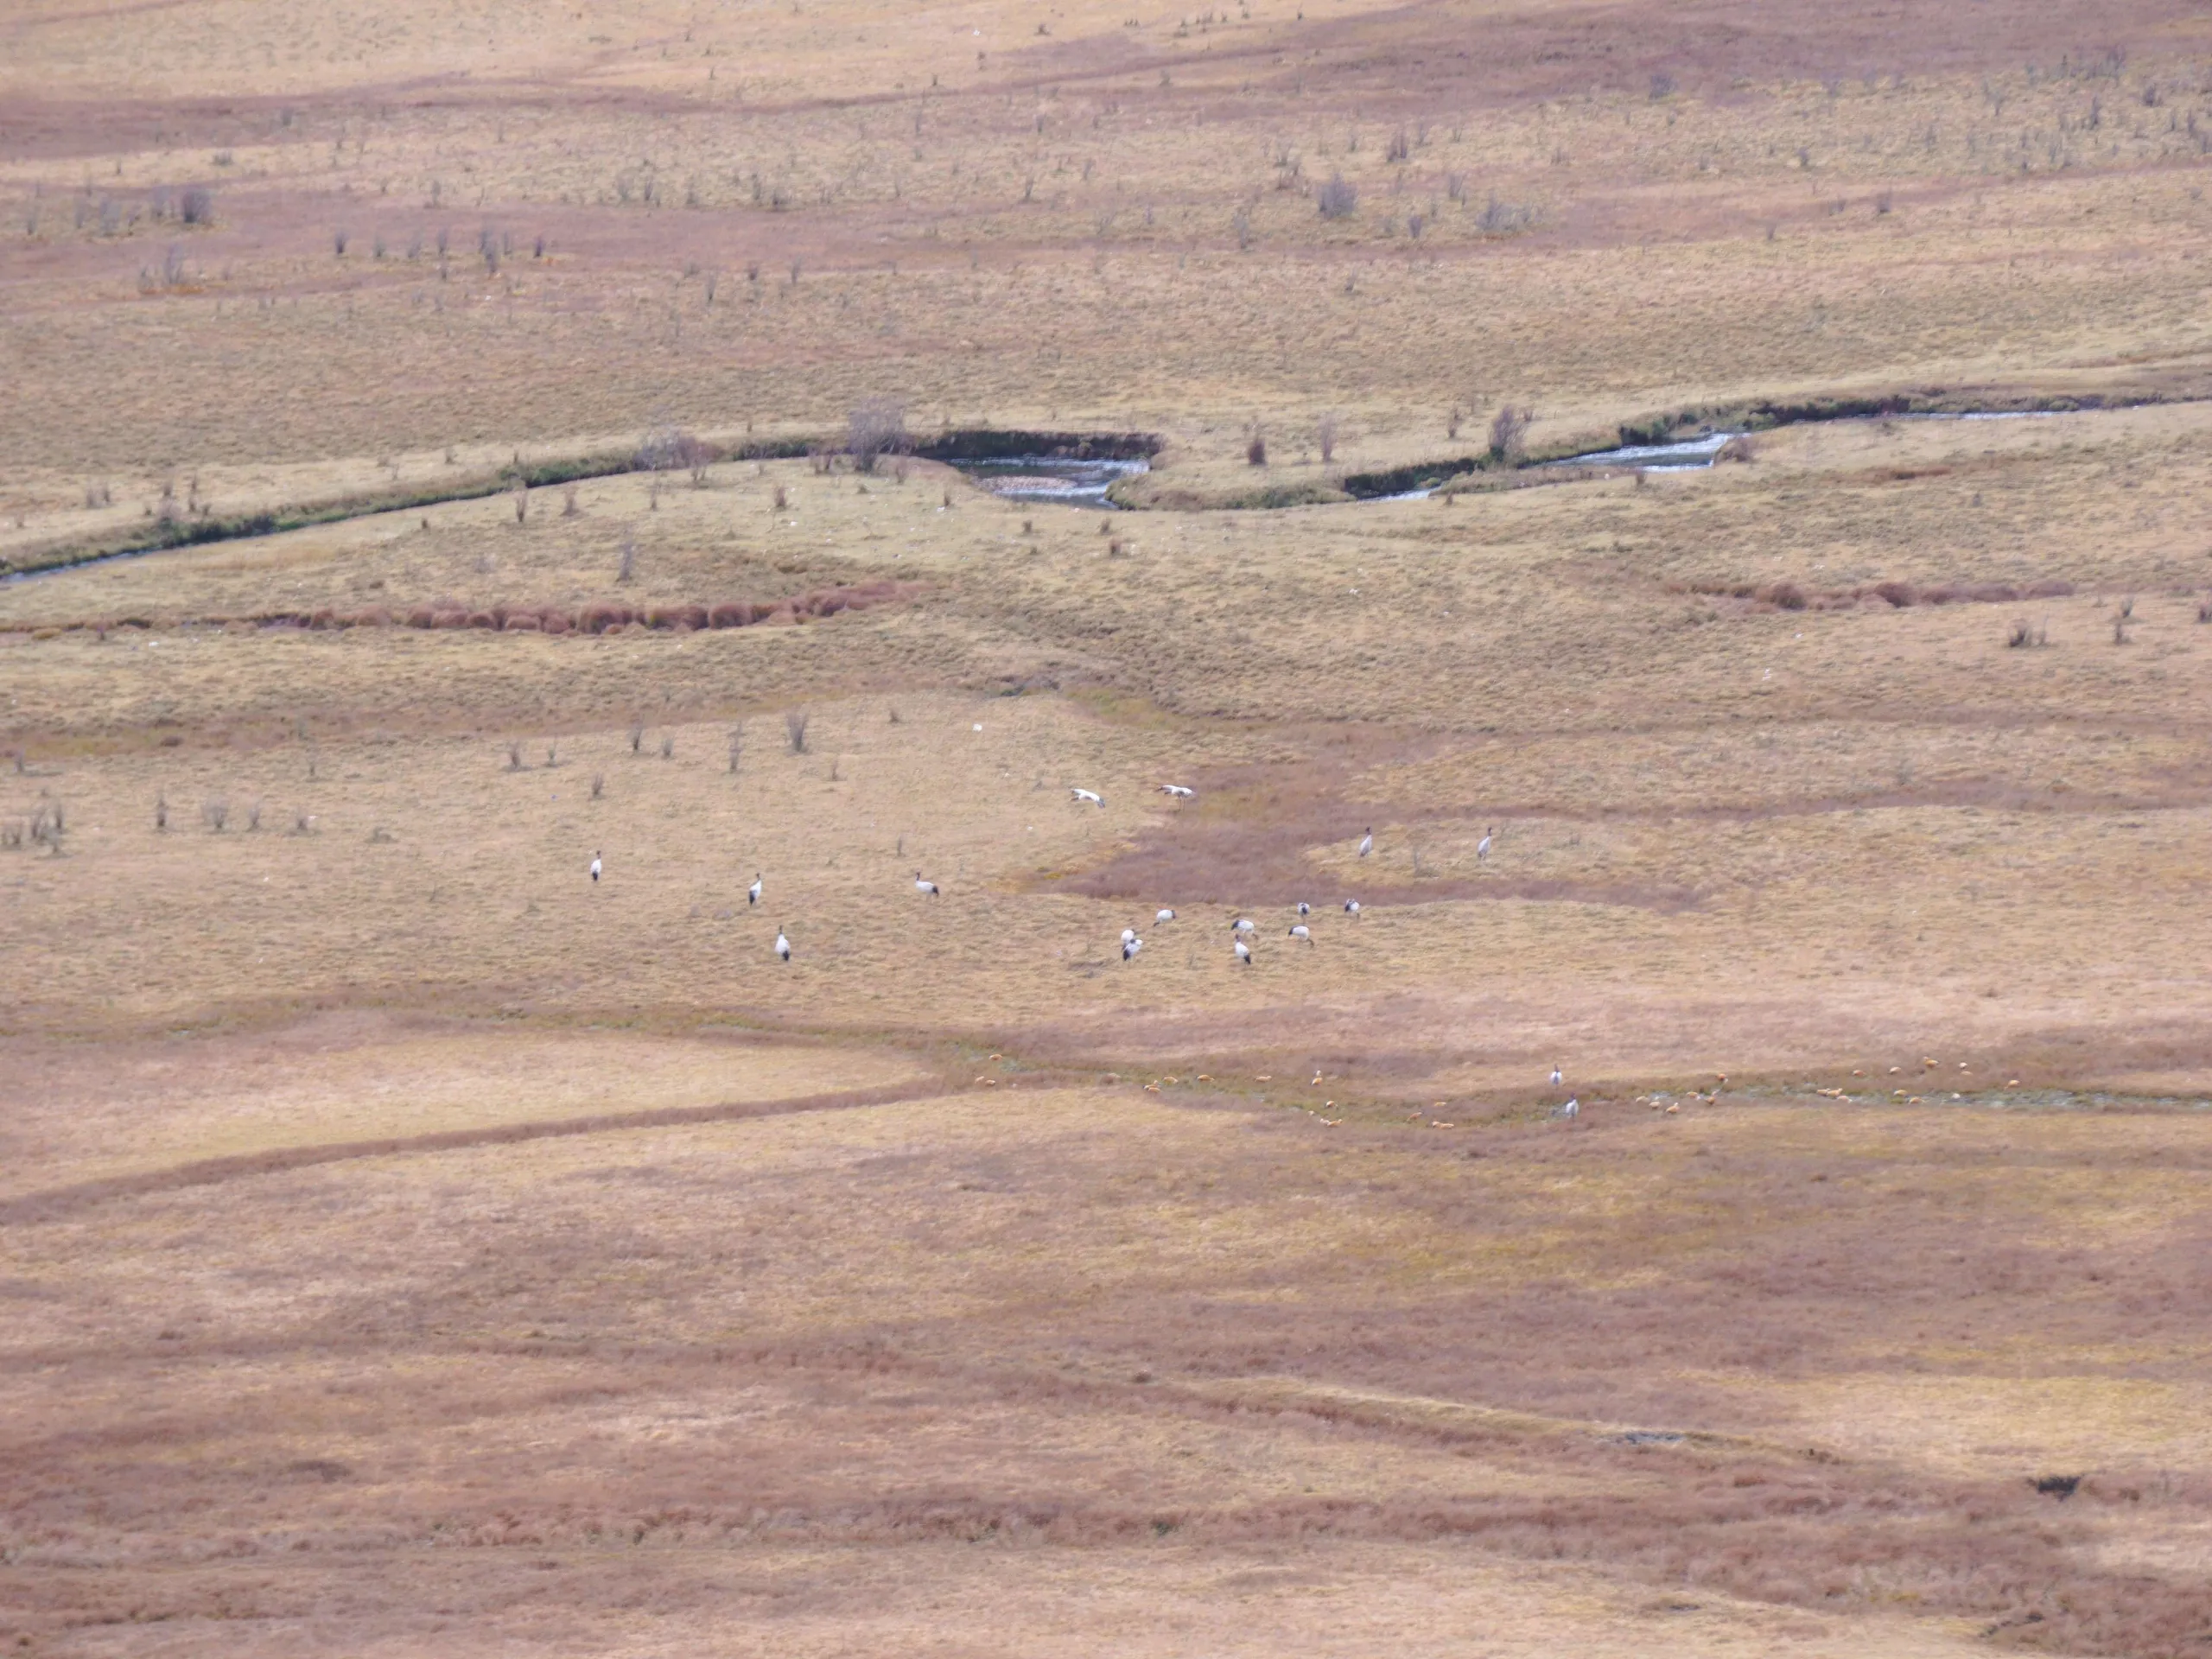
(783, 945)
(1305, 909)
(752, 893)
(920, 886)
(1089, 795)
(1302, 932)
(1351, 908)
(1178, 791)
(1482, 847)
(595, 866)
(1127, 934)
(1573, 1109)
(1367, 843)
(1130, 946)
(1556, 1078)
(1241, 925)
(1163, 916)
(1243, 953)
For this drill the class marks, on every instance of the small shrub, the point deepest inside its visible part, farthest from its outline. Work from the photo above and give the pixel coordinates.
(1400, 148)
(215, 814)
(1338, 198)
(253, 816)
(569, 502)
(1509, 434)
(338, 240)
(1255, 451)
(302, 821)
(795, 729)
(876, 427)
(598, 784)
(160, 813)
(522, 503)
(1325, 435)
(1741, 447)
(668, 748)
(737, 747)
(629, 568)
(514, 757)
(783, 500)
(636, 736)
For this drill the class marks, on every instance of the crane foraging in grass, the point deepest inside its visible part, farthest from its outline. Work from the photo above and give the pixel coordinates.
(1088, 797)
(1351, 908)
(1130, 946)
(1178, 791)
(929, 887)
(1243, 953)
(1163, 916)
(1302, 932)
(1305, 909)
(1127, 934)
(1241, 925)
(1571, 1110)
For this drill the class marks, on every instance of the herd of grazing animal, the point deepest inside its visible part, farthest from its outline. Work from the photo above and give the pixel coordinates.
(1240, 929)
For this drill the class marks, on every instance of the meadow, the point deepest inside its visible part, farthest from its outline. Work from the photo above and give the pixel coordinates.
(412, 1245)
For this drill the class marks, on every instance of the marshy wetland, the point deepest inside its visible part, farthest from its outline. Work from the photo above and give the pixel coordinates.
(1497, 487)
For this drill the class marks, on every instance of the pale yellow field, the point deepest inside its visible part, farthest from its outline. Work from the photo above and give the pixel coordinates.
(411, 1246)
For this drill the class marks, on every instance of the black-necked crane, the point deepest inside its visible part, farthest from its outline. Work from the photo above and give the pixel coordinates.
(1088, 797)
(1482, 847)
(1302, 932)
(1573, 1109)
(752, 893)
(1556, 1078)
(1130, 946)
(1367, 843)
(1127, 934)
(1351, 908)
(1163, 916)
(1178, 791)
(1242, 925)
(1243, 953)
(1305, 909)
(595, 866)
(783, 945)
(922, 886)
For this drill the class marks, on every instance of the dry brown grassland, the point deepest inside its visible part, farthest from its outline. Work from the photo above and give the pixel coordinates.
(409, 1245)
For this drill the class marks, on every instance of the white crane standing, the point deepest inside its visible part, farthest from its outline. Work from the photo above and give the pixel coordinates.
(1305, 909)
(1367, 843)
(783, 945)
(1571, 1109)
(752, 893)
(1556, 1078)
(1482, 847)
(1351, 908)
(595, 866)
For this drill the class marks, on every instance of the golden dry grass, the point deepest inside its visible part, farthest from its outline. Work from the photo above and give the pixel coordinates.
(408, 1246)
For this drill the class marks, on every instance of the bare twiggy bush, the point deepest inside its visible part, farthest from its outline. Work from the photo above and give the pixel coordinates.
(1509, 434)
(2127, 607)
(629, 568)
(1741, 447)
(1400, 147)
(1455, 186)
(781, 500)
(875, 427)
(514, 757)
(1504, 218)
(2205, 610)
(569, 502)
(522, 503)
(598, 784)
(636, 736)
(1239, 225)
(338, 240)
(1338, 198)
(1255, 449)
(48, 824)
(302, 821)
(668, 748)
(552, 756)
(948, 496)
(160, 814)
(2119, 634)
(795, 729)
(253, 816)
(197, 206)
(215, 814)
(1326, 435)
(11, 835)
(737, 747)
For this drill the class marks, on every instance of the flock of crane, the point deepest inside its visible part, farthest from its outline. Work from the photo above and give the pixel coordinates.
(1241, 930)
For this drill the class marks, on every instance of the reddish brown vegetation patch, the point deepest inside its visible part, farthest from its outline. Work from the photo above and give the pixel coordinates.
(592, 619)
(1787, 596)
